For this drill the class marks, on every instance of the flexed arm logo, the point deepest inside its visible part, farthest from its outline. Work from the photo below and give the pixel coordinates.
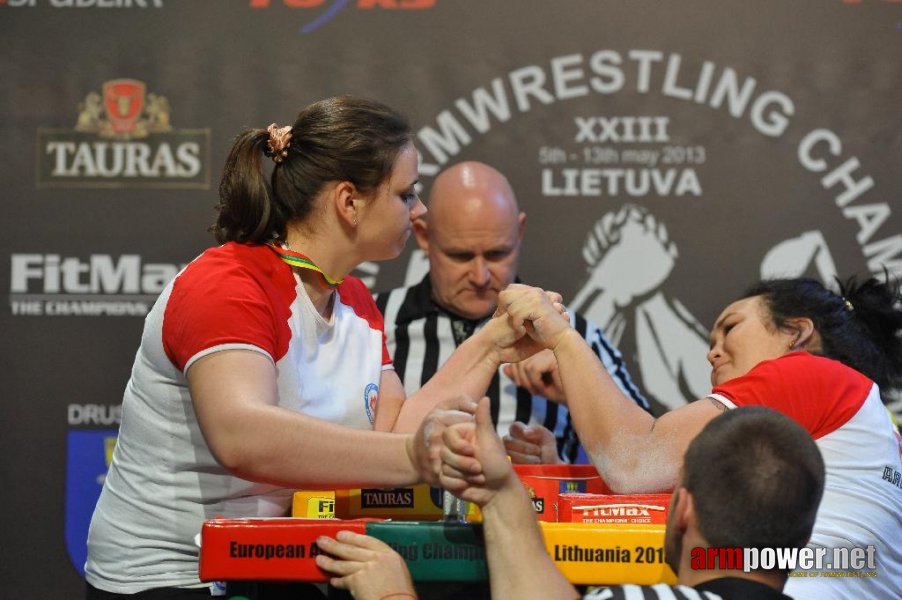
(805, 255)
(629, 257)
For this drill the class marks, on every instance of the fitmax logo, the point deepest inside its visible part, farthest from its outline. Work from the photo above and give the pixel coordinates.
(333, 7)
(100, 274)
(50, 284)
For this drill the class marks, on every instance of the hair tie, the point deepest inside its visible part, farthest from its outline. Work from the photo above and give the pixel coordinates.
(279, 138)
(848, 304)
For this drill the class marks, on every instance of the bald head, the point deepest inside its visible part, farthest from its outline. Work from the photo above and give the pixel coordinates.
(471, 187)
(471, 236)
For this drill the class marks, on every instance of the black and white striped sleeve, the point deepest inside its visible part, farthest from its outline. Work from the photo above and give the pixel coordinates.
(660, 591)
(418, 342)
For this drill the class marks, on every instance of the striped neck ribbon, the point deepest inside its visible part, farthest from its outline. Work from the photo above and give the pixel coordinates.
(296, 259)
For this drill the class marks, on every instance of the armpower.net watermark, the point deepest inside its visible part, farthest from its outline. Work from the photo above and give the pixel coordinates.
(801, 562)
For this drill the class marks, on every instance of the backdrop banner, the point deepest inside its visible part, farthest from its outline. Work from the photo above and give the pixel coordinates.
(666, 156)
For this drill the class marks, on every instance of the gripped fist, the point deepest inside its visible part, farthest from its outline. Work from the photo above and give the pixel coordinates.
(474, 463)
(424, 447)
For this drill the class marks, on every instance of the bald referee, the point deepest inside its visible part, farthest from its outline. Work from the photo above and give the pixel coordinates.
(472, 236)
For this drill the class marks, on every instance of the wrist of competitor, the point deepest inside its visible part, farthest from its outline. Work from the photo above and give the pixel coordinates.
(483, 349)
(506, 496)
(566, 340)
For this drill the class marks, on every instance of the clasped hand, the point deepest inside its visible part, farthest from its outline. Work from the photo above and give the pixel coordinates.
(527, 320)
(472, 464)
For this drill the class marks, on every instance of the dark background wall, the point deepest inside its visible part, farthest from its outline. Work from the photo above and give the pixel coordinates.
(666, 155)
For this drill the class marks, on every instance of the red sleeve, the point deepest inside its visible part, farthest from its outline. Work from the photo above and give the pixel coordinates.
(819, 393)
(219, 300)
(356, 295)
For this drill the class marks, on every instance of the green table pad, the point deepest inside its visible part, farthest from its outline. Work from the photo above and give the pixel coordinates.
(436, 550)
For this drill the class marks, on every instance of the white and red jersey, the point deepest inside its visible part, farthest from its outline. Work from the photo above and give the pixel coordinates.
(163, 480)
(862, 504)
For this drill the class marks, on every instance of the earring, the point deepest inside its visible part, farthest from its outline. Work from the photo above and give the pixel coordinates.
(355, 221)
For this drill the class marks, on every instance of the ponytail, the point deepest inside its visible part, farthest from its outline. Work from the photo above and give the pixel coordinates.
(877, 309)
(247, 213)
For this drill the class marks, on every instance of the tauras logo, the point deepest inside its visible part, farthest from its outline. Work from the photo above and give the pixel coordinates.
(375, 498)
(50, 284)
(538, 504)
(123, 137)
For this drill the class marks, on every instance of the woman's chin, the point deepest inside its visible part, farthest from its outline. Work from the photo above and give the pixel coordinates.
(389, 255)
(719, 377)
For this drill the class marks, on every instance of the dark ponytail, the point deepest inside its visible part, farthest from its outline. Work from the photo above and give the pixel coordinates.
(877, 307)
(858, 326)
(246, 210)
(338, 139)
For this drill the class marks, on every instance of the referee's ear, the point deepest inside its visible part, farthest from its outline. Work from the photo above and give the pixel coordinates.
(421, 231)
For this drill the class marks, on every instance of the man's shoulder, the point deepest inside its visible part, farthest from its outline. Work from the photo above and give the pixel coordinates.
(725, 588)
(398, 291)
(660, 591)
(587, 328)
(407, 303)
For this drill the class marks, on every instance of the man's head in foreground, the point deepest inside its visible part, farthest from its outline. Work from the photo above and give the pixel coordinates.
(753, 478)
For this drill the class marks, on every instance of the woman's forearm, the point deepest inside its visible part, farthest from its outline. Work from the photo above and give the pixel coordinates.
(297, 450)
(613, 429)
(467, 372)
(632, 450)
(235, 400)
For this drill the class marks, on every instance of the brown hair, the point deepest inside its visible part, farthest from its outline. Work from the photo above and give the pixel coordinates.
(343, 138)
(859, 326)
(756, 478)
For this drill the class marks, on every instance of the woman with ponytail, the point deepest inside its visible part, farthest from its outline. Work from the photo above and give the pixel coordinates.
(821, 357)
(263, 368)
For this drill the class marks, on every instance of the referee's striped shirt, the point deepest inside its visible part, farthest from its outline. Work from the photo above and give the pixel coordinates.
(721, 588)
(421, 337)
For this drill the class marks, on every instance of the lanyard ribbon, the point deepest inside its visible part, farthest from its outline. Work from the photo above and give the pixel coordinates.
(296, 259)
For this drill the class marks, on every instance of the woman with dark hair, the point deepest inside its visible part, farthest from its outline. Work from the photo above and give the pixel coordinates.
(792, 345)
(263, 367)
